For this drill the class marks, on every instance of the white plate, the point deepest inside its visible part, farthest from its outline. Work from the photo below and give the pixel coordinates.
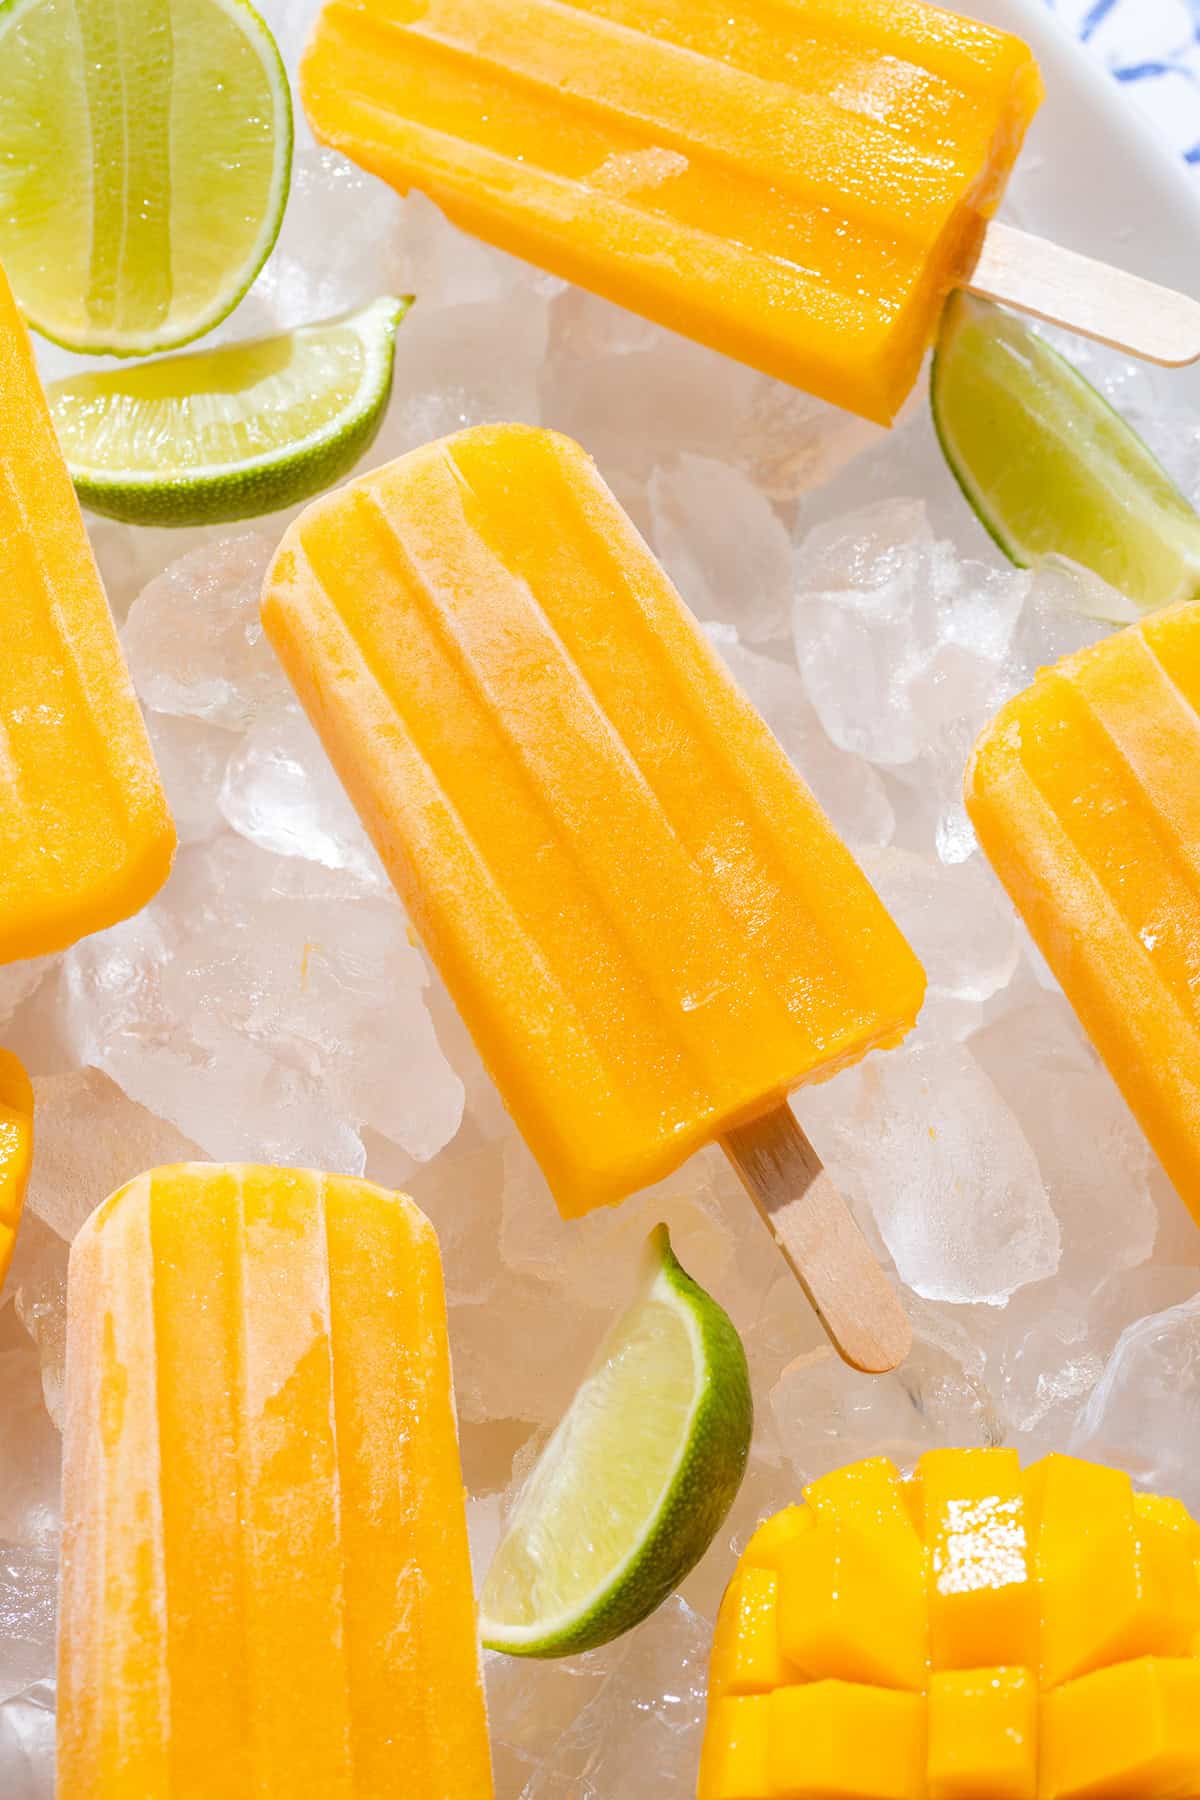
(1091, 175)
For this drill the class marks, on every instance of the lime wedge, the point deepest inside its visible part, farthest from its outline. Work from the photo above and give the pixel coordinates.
(1047, 464)
(147, 148)
(231, 433)
(633, 1485)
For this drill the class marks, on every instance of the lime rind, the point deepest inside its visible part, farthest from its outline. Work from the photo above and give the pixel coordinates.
(694, 1498)
(1048, 466)
(229, 295)
(247, 487)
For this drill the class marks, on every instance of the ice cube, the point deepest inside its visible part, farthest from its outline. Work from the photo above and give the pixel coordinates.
(925, 1141)
(91, 1139)
(192, 757)
(280, 792)
(848, 788)
(27, 1744)
(641, 1731)
(28, 1579)
(19, 981)
(723, 545)
(194, 640)
(1144, 1414)
(29, 1448)
(1093, 1159)
(957, 919)
(898, 640)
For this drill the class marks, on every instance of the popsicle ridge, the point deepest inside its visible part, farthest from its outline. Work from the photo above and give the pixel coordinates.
(820, 183)
(85, 835)
(1084, 794)
(646, 922)
(266, 1583)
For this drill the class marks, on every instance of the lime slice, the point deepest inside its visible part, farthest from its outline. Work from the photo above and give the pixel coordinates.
(1047, 464)
(231, 433)
(633, 1485)
(147, 148)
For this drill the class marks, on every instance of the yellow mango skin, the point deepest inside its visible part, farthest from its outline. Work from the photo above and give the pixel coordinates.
(796, 185)
(85, 835)
(823, 1687)
(266, 1587)
(16, 1151)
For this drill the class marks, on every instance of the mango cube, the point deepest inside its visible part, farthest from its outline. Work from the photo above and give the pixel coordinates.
(849, 1611)
(746, 1657)
(982, 1603)
(1131, 1732)
(846, 1742)
(762, 1552)
(983, 1735)
(970, 1632)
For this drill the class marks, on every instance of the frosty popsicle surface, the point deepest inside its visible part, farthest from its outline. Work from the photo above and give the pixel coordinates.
(646, 921)
(85, 835)
(1085, 793)
(794, 182)
(266, 1585)
(16, 1151)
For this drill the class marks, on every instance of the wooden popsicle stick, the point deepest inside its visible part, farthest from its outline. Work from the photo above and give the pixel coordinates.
(813, 1227)
(1086, 296)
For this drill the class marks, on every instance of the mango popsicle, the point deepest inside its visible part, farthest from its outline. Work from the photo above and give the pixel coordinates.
(648, 925)
(1084, 792)
(85, 835)
(266, 1586)
(16, 1151)
(797, 184)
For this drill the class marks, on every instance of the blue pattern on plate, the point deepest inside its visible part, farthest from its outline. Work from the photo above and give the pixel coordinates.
(1153, 48)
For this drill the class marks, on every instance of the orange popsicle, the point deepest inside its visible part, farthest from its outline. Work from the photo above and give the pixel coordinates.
(85, 835)
(1085, 793)
(647, 923)
(266, 1587)
(795, 182)
(16, 1151)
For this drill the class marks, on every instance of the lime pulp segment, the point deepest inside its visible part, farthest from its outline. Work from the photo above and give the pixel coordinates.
(232, 433)
(1049, 467)
(145, 168)
(634, 1482)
